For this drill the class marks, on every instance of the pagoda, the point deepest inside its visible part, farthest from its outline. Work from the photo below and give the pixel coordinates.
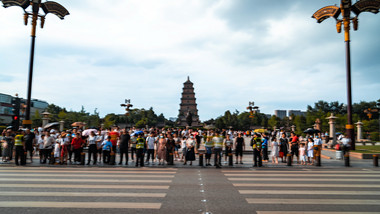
(188, 106)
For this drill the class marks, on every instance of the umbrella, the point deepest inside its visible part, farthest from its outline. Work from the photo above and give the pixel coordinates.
(77, 124)
(88, 131)
(311, 131)
(338, 133)
(49, 125)
(259, 130)
(137, 133)
(9, 127)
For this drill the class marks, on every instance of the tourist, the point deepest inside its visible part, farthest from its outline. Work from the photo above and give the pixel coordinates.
(346, 144)
(150, 141)
(107, 149)
(294, 147)
(92, 148)
(57, 150)
(184, 148)
(7, 142)
(161, 149)
(99, 141)
(239, 148)
(310, 151)
(209, 146)
(317, 146)
(29, 143)
(133, 146)
(275, 150)
(177, 141)
(114, 138)
(228, 143)
(170, 145)
(217, 141)
(264, 147)
(284, 147)
(124, 146)
(302, 154)
(65, 142)
(77, 146)
(48, 146)
(190, 150)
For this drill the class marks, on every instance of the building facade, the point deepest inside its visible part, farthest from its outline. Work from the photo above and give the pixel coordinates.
(6, 108)
(296, 113)
(280, 113)
(188, 105)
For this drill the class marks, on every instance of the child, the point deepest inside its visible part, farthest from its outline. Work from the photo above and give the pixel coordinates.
(302, 153)
(41, 151)
(107, 148)
(57, 150)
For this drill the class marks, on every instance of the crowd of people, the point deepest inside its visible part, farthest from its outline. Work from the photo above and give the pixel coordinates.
(155, 146)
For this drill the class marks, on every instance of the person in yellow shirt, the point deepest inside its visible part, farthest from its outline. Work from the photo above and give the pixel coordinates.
(19, 148)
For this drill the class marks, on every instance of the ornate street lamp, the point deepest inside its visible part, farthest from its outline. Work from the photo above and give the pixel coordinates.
(127, 106)
(252, 109)
(47, 7)
(345, 9)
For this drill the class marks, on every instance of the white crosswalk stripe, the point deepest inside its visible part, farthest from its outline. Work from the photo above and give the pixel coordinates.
(268, 188)
(84, 188)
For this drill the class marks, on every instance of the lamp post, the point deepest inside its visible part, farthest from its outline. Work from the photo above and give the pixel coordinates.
(127, 105)
(345, 9)
(252, 110)
(47, 7)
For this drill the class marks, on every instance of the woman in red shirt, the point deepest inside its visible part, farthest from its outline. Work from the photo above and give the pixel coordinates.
(77, 146)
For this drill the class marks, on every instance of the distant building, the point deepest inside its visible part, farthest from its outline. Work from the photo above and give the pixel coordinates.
(6, 108)
(188, 105)
(280, 113)
(296, 113)
(173, 119)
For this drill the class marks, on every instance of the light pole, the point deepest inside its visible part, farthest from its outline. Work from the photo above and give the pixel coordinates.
(127, 105)
(345, 9)
(47, 7)
(252, 110)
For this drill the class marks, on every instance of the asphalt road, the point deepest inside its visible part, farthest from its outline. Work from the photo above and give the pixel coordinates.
(189, 190)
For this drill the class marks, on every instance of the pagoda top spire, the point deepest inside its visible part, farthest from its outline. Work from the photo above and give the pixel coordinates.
(188, 80)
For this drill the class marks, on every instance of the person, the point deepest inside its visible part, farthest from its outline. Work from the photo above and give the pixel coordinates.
(302, 154)
(64, 142)
(190, 150)
(77, 146)
(140, 145)
(69, 136)
(264, 147)
(275, 150)
(107, 149)
(217, 141)
(29, 143)
(19, 148)
(346, 144)
(99, 141)
(239, 148)
(57, 150)
(114, 138)
(257, 150)
(184, 148)
(161, 149)
(133, 146)
(317, 146)
(310, 150)
(209, 147)
(283, 147)
(228, 144)
(124, 146)
(170, 145)
(7, 142)
(92, 148)
(48, 146)
(177, 141)
(150, 141)
(294, 146)
(41, 150)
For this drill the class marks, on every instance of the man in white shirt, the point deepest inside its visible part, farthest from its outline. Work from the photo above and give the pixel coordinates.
(346, 143)
(151, 141)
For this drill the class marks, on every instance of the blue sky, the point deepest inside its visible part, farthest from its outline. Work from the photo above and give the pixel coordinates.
(235, 51)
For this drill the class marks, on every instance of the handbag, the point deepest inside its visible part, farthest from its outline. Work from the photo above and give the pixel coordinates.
(281, 154)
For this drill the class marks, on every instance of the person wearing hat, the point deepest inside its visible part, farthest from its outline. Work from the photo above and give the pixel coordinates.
(218, 146)
(257, 150)
(140, 145)
(19, 147)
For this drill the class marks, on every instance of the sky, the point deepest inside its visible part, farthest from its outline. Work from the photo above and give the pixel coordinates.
(234, 51)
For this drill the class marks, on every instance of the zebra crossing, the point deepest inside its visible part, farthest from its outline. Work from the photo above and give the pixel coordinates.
(308, 192)
(95, 188)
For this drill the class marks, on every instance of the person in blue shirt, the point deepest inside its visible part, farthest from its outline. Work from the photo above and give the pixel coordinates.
(264, 146)
(107, 149)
